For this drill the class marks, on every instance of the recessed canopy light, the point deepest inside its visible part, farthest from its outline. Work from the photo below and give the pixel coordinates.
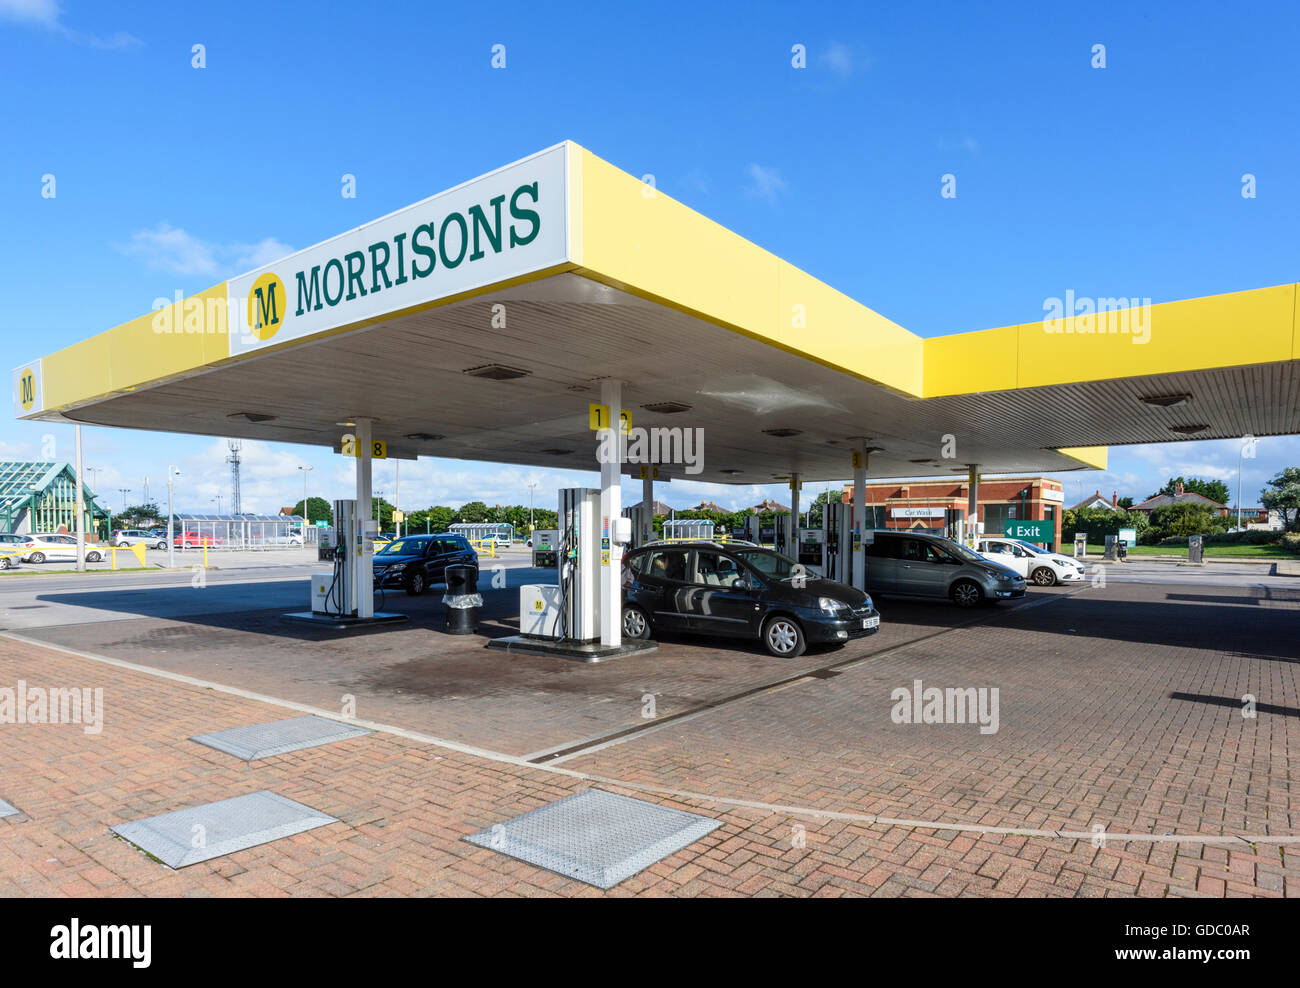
(424, 437)
(496, 372)
(1166, 401)
(1188, 430)
(553, 451)
(782, 433)
(251, 417)
(666, 407)
(731, 471)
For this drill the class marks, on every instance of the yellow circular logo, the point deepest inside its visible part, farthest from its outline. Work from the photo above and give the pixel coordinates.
(266, 305)
(537, 605)
(27, 389)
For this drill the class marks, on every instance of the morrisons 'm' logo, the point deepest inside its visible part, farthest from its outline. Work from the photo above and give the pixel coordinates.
(27, 389)
(266, 306)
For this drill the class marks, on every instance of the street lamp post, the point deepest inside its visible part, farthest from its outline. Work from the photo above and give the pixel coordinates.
(305, 517)
(1241, 452)
(171, 539)
(125, 491)
(531, 487)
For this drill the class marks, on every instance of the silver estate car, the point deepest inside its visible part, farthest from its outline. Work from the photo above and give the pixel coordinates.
(924, 565)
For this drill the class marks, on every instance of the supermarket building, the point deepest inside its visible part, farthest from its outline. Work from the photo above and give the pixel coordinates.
(933, 504)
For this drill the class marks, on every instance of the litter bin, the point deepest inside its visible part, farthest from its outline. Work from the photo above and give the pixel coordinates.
(462, 599)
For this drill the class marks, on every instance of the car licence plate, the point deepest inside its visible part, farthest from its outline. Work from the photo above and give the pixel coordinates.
(871, 622)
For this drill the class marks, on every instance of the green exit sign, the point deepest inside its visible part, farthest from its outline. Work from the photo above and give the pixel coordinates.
(1031, 531)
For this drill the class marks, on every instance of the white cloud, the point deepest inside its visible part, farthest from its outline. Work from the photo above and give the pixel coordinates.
(966, 143)
(839, 59)
(764, 183)
(47, 14)
(176, 251)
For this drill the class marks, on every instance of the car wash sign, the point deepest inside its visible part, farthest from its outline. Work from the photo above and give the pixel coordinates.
(503, 225)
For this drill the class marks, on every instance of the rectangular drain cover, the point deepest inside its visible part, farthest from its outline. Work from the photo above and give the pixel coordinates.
(278, 737)
(595, 836)
(7, 809)
(187, 837)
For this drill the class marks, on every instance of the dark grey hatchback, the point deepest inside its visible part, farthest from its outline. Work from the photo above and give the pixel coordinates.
(739, 591)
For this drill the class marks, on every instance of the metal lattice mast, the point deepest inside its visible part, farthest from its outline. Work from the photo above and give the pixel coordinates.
(233, 460)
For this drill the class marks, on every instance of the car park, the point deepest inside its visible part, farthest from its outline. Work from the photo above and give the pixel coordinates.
(1032, 562)
(739, 591)
(923, 565)
(415, 562)
(131, 536)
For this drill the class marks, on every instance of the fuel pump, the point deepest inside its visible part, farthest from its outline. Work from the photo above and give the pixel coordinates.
(335, 594)
(570, 609)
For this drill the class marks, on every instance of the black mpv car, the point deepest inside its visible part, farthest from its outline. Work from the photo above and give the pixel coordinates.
(415, 562)
(739, 591)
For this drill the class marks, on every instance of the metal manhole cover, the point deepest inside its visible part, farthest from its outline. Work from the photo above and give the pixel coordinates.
(278, 737)
(200, 833)
(7, 809)
(595, 836)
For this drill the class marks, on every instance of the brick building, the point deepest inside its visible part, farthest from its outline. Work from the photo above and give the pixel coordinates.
(931, 504)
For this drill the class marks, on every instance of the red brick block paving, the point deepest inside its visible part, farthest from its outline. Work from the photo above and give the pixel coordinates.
(1118, 707)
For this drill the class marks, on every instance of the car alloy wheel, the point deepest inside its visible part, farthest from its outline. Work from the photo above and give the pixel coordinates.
(966, 594)
(93, 557)
(36, 557)
(1044, 577)
(783, 637)
(415, 584)
(635, 624)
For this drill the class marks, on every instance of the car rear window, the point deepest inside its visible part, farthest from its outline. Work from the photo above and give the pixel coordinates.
(668, 564)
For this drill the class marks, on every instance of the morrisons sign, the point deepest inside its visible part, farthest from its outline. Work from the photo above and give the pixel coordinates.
(503, 225)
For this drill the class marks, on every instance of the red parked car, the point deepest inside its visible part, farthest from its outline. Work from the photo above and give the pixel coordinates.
(190, 540)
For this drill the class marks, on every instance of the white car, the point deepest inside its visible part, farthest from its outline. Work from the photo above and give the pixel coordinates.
(130, 536)
(45, 547)
(12, 549)
(1032, 562)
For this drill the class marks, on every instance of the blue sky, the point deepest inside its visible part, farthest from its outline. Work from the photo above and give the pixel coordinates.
(1122, 181)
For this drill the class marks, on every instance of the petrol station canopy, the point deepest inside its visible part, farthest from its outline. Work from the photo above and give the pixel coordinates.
(477, 324)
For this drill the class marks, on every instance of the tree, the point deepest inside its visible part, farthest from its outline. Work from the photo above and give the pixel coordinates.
(819, 504)
(1126, 503)
(1097, 523)
(319, 510)
(1215, 490)
(1186, 519)
(472, 512)
(1283, 496)
(139, 516)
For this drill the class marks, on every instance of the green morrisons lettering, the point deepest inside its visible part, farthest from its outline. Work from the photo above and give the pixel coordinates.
(447, 238)
(306, 293)
(268, 310)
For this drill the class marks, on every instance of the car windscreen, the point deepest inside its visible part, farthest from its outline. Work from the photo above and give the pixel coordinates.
(960, 551)
(772, 565)
(402, 546)
(1036, 550)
